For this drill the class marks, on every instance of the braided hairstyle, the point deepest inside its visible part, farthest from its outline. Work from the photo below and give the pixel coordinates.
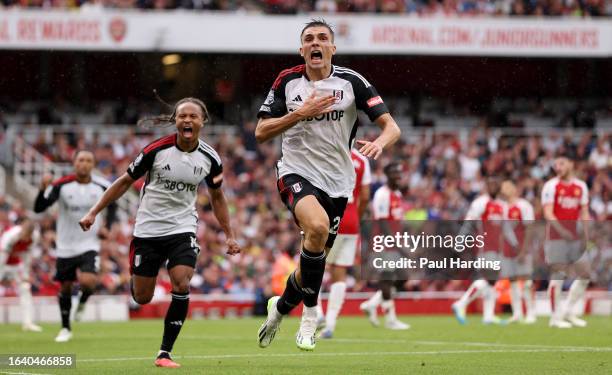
(163, 121)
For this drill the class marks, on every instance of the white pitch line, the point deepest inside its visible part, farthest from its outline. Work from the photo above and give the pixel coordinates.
(495, 344)
(392, 341)
(21, 373)
(347, 354)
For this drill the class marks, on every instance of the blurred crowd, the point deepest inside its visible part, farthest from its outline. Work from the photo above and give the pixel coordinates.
(444, 172)
(573, 8)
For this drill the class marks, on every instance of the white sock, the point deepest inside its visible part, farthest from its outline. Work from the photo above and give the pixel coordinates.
(320, 314)
(576, 294)
(528, 298)
(310, 311)
(488, 303)
(375, 300)
(336, 298)
(25, 300)
(516, 300)
(554, 294)
(474, 291)
(388, 308)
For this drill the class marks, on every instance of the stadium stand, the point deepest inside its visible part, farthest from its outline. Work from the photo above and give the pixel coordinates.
(443, 173)
(553, 8)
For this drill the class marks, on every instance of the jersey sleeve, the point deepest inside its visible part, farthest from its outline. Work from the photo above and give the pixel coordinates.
(367, 98)
(274, 105)
(366, 178)
(214, 179)
(9, 238)
(477, 209)
(584, 198)
(141, 165)
(528, 213)
(381, 204)
(47, 197)
(548, 193)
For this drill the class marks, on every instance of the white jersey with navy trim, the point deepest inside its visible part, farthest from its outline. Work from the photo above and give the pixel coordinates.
(168, 197)
(74, 199)
(319, 149)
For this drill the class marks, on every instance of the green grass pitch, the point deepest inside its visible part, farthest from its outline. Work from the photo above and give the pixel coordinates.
(434, 345)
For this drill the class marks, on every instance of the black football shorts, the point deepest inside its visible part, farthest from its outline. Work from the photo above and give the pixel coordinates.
(293, 187)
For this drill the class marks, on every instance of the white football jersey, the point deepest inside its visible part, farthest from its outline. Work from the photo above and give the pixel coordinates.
(319, 149)
(168, 197)
(75, 200)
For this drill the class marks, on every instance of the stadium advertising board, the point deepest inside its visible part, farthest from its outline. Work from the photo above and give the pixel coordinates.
(197, 32)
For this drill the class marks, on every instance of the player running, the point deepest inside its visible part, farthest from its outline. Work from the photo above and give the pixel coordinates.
(517, 260)
(489, 210)
(314, 106)
(75, 249)
(387, 206)
(15, 262)
(342, 254)
(565, 200)
(166, 220)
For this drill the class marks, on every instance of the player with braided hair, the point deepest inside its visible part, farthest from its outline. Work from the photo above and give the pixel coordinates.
(166, 220)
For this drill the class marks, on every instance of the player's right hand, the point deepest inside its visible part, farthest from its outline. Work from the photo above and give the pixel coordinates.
(45, 181)
(233, 247)
(314, 106)
(87, 221)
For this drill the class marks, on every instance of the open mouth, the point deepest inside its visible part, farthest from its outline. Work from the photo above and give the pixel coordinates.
(316, 56)
(187, 130)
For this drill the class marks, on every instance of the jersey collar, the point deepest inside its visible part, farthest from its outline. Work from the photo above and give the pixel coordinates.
(331, 73)
(181, 150)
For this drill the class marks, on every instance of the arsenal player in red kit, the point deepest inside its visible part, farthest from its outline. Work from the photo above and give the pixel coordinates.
(342, 254)
(565, 200)
(517, 260)
(15, 259)
(491, 211)
(387, 207)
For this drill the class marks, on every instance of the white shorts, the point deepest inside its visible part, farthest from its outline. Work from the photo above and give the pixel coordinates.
(490, 256)
(562, 251)
(512, 268)
(343, 251)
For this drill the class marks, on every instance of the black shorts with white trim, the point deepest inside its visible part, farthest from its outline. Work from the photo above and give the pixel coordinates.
(66, 268)
(147, 255)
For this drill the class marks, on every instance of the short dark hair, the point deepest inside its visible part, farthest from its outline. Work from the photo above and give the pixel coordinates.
(393, 166)
(316, 22)
(76, 153)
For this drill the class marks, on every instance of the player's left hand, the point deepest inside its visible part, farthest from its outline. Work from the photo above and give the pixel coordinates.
(370, 149)
(232, 246)
(87, 221)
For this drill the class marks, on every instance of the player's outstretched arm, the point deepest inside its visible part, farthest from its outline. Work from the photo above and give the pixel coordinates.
(45, 199)
(389, 135)
(268, 128)
(114, 192)
(219, 205)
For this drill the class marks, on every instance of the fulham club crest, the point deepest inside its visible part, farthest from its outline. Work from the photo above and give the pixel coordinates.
(339, 95)
(297, 187)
